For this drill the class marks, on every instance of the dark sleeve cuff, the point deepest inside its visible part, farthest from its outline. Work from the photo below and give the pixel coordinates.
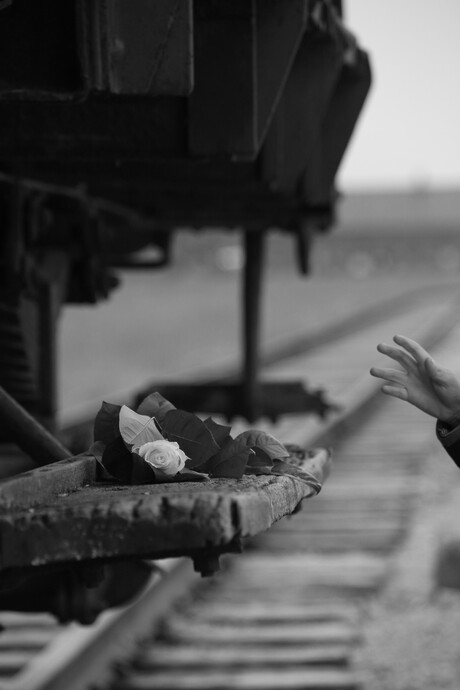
(450, 439)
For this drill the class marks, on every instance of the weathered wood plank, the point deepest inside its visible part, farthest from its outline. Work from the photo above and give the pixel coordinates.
(11, 662)
(254, 611)
(298, 679)
(59, 513)
(277, 634)
(333, 542)
(18, 639)
(193, 655)
(46, 483)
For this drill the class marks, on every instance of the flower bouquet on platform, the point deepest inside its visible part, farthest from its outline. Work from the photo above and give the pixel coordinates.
(159, 443)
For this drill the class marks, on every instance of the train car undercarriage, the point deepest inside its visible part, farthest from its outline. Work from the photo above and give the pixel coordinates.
(123, 122)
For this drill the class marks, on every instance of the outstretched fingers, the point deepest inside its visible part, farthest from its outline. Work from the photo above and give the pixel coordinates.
(391, 375)
(403, 358)
(416, 350)
(395, 391)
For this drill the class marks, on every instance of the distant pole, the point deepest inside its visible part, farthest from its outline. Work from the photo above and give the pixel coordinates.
(252, 293)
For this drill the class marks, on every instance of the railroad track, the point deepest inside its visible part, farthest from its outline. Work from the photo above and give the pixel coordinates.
(288, 612)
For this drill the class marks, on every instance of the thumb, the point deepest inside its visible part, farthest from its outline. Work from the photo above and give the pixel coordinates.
(437, 374)
(432, 369)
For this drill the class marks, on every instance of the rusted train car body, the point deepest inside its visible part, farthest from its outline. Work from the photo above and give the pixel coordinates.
(123, 120)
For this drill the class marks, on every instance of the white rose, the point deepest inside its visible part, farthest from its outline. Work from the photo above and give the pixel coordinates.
(163, 455)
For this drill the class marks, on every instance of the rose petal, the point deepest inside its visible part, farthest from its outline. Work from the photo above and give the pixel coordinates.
(164, 455)
(137, 429)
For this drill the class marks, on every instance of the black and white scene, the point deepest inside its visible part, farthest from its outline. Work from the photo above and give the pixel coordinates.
(229, 345)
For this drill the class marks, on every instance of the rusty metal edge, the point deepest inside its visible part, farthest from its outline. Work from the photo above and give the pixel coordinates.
(245, 510)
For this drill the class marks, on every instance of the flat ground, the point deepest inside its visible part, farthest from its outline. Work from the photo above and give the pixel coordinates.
(184, 321)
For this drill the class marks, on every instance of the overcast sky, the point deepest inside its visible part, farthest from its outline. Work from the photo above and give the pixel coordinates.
(409, 132)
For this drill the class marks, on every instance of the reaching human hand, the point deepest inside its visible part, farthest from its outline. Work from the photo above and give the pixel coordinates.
(421, 382)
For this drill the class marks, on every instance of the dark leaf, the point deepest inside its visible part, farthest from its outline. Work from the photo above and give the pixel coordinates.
(117, 461)
(97, 449)
(187, 475)
(260, 439)
(202, 469)
(106, 425)
(102, 475)
(155, 405)
(142, 472)
(258, 470)
(260, 459)
(233, 447)
(230, 461)
(192, 435)
(281, 467)
(233, 467)
(162, 478)
(220, 432)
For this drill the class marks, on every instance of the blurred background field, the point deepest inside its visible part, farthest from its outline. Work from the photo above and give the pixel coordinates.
(182, 322)
(397, 229)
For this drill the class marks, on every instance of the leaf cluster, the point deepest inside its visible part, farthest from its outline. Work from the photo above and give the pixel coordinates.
(210, 448)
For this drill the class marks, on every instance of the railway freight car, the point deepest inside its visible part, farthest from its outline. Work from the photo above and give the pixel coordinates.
(122, 121)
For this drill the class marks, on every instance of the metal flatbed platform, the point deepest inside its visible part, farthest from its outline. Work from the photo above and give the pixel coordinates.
(60, 513)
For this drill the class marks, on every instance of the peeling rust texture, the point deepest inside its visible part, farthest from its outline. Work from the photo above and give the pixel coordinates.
(92, 520)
